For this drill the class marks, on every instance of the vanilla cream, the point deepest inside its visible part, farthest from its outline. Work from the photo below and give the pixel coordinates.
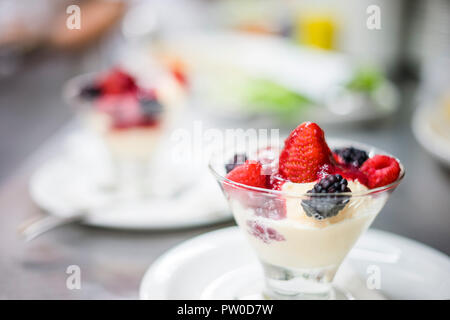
(308, 242)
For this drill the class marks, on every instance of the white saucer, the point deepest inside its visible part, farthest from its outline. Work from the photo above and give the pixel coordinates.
(429, 139)
(221, 265)
(69, 182)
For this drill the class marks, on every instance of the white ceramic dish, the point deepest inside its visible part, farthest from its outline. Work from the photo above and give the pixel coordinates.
(437, 145)
(69, 182)
(221, 265)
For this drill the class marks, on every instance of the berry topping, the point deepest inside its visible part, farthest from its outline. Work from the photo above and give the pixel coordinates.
(266, 234)
(322, 207)
(352, 173)
(118, 81)
(381, 170)
(351, 156)
(118, 95)
(250, 173)
(238, 159)
(90, 92)
(150, 106)
(305, 155)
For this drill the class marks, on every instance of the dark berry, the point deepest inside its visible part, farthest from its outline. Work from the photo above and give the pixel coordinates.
(150, 106)
(237, 160)
(326, 206)
(352, 156)
(90, 92)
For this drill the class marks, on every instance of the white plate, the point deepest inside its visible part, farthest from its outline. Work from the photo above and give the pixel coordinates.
(69, 182)
(221, 265)
(430, 140)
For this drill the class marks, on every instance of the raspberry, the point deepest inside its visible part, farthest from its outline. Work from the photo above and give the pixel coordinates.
(305, 155)
(322, 207)
(381, 170)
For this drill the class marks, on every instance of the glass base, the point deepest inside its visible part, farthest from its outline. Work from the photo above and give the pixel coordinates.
(247, 283)
(300, 284)
(333, 294)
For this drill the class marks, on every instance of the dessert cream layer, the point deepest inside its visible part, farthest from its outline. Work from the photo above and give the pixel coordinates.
(129, 143)
(307, 242)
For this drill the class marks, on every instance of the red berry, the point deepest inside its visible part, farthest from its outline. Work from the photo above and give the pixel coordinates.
(306, 155)
(265, 234)
(118, 81)
(249, 173)
(381, 170)
(351, 173)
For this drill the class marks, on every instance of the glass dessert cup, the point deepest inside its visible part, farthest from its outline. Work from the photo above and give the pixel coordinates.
(300, 255)
(130, 147)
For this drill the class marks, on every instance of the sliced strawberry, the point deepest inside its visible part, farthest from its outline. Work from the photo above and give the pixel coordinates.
(306, 155)
(381, 170)
(249, 173)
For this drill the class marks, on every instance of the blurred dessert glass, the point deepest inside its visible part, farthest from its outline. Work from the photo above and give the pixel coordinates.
(130, 116)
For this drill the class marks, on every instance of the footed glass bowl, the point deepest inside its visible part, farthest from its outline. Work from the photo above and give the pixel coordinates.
(299, 253)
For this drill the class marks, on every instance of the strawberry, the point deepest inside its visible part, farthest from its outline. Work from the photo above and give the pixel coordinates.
(305, 155)
(249, 173)
(118, 81)
(381, 170)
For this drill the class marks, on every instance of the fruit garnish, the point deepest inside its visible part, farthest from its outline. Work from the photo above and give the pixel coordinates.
(265, 234)
(149, 103)
(250, 173)
(90, 92)
(238, 159)
(380, 170)
(352, 173)
(305, 154)
(351, 156)
(116, 82)
(322, 207)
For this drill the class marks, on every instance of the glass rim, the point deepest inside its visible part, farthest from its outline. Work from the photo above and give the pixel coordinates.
(222, 179)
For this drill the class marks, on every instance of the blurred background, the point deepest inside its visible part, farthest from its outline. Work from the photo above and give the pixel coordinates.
(250, 63)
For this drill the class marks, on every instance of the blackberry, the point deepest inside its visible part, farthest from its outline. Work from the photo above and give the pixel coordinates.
(322, 207)
(150, 106)
(352, 156)
(90, 92)
(238, 159)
